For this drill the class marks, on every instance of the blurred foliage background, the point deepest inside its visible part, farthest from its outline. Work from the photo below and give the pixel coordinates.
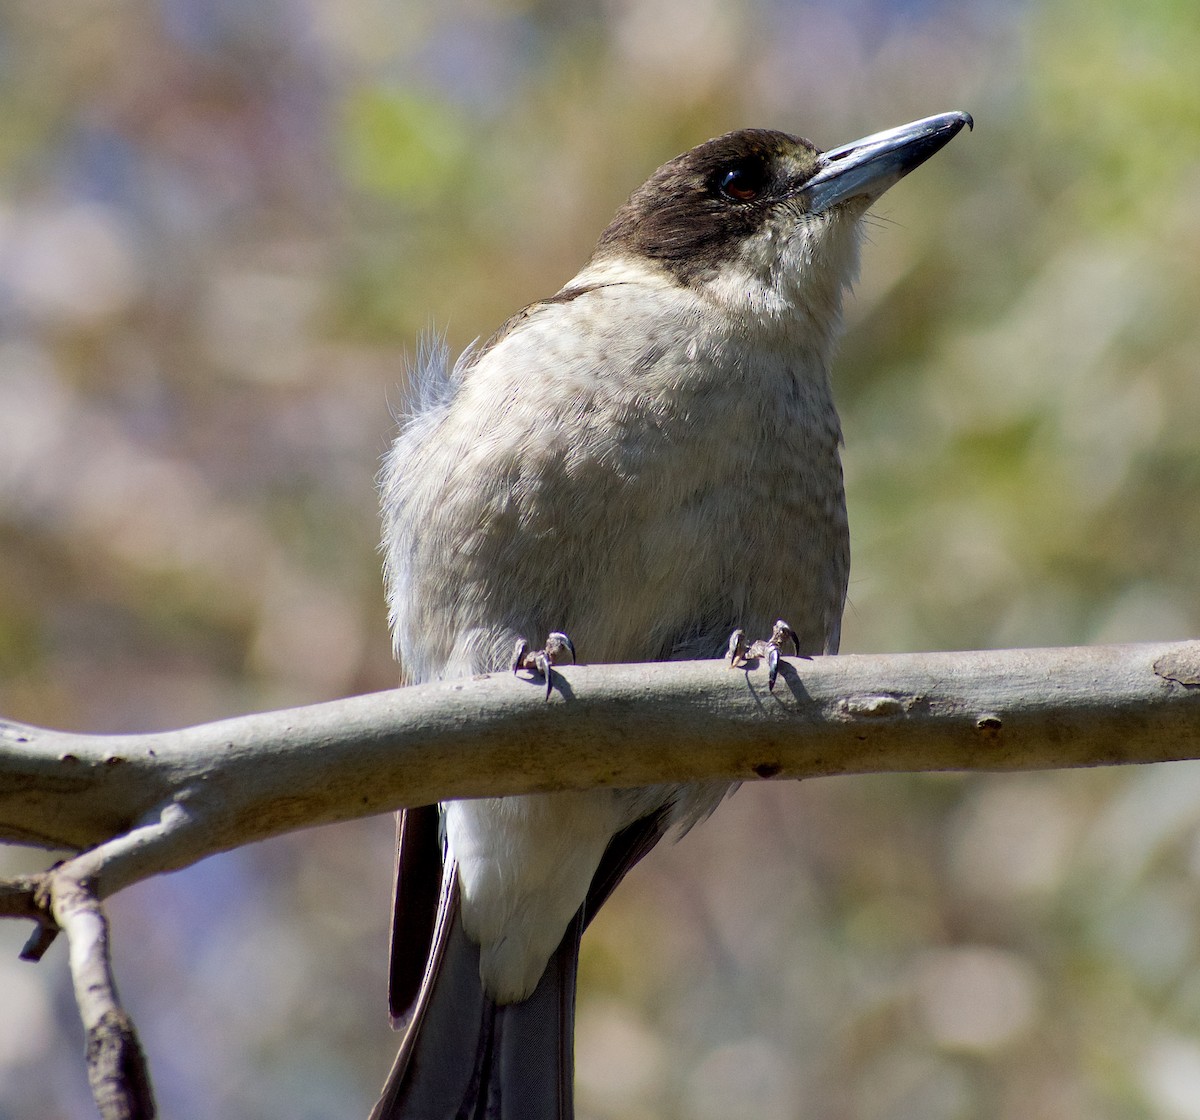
(222, 225)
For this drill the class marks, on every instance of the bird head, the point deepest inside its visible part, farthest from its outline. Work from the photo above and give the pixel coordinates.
(766, 224)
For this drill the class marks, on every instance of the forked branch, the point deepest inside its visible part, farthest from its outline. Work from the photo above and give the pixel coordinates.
(132, 806)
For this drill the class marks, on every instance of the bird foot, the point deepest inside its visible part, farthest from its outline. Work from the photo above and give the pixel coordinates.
(539, 661)
(742, 652)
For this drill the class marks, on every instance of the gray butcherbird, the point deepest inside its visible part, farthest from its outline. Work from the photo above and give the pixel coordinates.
(644, 461)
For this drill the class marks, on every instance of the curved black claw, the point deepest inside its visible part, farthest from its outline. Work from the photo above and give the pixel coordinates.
(540, 661)
(735, 658)
(742, 652)
(772, 665)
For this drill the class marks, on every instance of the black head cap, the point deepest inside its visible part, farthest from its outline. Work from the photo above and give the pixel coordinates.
(693, 212)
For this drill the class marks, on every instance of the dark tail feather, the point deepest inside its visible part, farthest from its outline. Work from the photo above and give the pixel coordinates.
(464, 1057)
(421, 891)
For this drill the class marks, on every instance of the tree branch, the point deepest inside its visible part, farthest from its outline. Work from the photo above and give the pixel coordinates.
(229, 783)
(116, 1065)
(136, 805)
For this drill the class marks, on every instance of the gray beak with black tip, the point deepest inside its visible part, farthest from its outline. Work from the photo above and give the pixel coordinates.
(867, 167)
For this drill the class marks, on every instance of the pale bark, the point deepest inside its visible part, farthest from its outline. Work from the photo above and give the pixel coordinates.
(219, 785)
(132, 806)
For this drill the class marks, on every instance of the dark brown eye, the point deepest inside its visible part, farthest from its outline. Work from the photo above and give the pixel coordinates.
(743, 183)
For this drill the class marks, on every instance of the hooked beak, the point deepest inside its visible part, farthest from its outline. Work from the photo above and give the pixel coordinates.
(867, 167)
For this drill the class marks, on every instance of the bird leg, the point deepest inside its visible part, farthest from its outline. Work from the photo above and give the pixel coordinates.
(742, 652)
(538, 661)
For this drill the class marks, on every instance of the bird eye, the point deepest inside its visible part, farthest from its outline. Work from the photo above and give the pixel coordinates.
(743, 183)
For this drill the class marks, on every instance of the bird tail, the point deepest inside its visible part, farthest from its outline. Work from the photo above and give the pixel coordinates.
(465, 1057)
